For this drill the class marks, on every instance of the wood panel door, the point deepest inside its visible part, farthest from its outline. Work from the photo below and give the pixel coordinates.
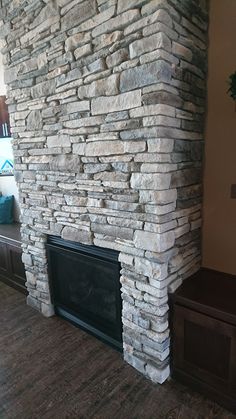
(205, 349)
(12, 270)
(16, 266)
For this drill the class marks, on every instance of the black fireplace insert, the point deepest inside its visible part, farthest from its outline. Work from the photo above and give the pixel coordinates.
(85, 287)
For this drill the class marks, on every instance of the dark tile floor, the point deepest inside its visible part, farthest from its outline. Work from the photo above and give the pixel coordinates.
(50, 369)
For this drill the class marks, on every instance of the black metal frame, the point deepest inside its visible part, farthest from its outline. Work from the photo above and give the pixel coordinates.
(60, 246)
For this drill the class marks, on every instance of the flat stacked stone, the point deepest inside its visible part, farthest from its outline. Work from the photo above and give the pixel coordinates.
(107, 102)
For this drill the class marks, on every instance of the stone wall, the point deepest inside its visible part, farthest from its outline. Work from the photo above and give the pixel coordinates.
(107, 103)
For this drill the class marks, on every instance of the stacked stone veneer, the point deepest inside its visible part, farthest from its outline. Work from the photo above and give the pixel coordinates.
(107, 104)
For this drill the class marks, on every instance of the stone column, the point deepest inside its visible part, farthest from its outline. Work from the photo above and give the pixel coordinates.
(107, 102)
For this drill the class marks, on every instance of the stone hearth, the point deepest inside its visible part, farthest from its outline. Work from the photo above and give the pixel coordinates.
(107, 102)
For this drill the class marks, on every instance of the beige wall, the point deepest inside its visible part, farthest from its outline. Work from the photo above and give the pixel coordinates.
(219, 230)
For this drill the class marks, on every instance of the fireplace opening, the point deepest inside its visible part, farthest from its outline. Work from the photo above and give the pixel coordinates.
(85, 287)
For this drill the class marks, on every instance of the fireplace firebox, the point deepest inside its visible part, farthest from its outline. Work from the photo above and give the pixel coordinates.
(85, 287)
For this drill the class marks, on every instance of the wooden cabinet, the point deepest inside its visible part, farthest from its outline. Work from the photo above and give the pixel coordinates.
(12, 270)
(204, 335)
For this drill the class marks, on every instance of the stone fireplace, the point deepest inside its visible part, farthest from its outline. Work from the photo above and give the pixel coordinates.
(107, 102)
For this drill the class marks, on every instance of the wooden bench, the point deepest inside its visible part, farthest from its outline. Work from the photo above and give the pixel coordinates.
(12, 270)
(203, 323)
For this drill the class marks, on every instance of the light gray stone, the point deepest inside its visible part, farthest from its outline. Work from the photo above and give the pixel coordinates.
(126, 259)
(34, 120)
(51, 9)
(43, 89)
(160, 27)
(117, 22)
(29, 36)
(76, 200)
(104, 148)
(135, 146)
(157, 120)
(10, 74)
(47, 310)
(159, 54)
(160, 145)
(107, 86)
(73, 75)
(117, 57)
(95, 66)
(133, 78)
(58, 141)
(153, 5)
(84, 122)
(120, 102)
(82, 51)
(79, 149)
(107, 39)
(147, 21)
(150, 181)
(74, 41)
(148, 110)
(28, 66)
(151, 269)
(114, 231)
(78, 14)
(158, 197)
(182, 51)
(157, 375)
(76, 235)
(97, 20)
(158, 167)
(78, 106)
(27, 259)
(150, 43)
(124, 5)
(65, 163)
(153, 241)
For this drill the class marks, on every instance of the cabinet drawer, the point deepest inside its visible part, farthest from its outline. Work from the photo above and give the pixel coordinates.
(12, 270)
(16, 266)
(205, 348)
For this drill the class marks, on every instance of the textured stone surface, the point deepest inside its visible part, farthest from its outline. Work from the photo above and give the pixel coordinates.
(150, 43)
(128, 100)
(75, 235)
(117, 22)
(34, 121)
(107, 86)
(153, 241)
(107, 100)
(150, 181)
(65, 163)
(104, 148)
(144, 75)
(78, 14)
